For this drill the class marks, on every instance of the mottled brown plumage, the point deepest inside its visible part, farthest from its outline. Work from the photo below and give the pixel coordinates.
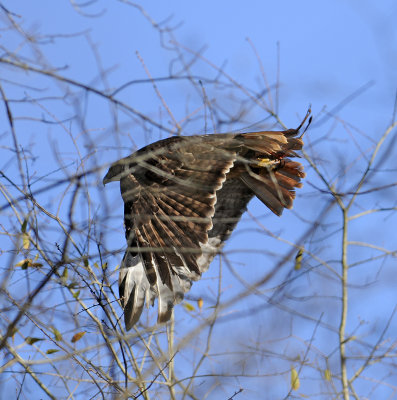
(183, 196)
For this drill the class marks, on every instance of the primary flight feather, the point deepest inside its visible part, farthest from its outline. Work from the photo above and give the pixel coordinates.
(183, 196)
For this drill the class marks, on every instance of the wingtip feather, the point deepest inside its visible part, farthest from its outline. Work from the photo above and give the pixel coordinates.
(134, 289)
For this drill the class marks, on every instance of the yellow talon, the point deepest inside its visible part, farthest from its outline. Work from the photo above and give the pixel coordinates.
(263, 162)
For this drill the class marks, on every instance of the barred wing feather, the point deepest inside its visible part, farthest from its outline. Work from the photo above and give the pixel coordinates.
(183, 196)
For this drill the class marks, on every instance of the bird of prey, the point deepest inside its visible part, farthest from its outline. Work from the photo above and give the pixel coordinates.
(183, 196)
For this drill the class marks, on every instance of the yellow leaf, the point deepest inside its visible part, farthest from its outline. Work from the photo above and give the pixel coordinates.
(52, 351)
(27, 262)
(200, 303)
(327, 375)
(298, 260)
(33, 263)
(25, 241)
(76, 337)
(32, 340)
(13, 332)
(65, 274)
(188, 306)
(295, 384)
(57, 334)
(24, 263)
(24, 224)
(76, 294)
(72, 285)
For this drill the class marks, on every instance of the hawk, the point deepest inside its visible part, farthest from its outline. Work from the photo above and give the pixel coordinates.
(183, 196)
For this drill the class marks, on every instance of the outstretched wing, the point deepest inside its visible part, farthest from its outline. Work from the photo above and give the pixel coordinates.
(169, 192)
(183, 197)
(262, 168)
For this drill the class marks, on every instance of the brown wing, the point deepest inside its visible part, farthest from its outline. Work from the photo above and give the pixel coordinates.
(169, 190)
(263, 169)
(178, 184)
(183, 197)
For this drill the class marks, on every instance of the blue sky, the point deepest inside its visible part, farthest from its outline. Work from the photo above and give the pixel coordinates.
(338, 56)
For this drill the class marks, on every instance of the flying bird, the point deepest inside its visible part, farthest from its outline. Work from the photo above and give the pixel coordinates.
(183, 196)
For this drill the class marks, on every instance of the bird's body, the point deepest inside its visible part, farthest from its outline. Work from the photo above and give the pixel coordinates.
(183, 196)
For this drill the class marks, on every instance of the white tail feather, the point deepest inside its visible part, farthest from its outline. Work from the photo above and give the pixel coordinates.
(167, 298)
(134, 288)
